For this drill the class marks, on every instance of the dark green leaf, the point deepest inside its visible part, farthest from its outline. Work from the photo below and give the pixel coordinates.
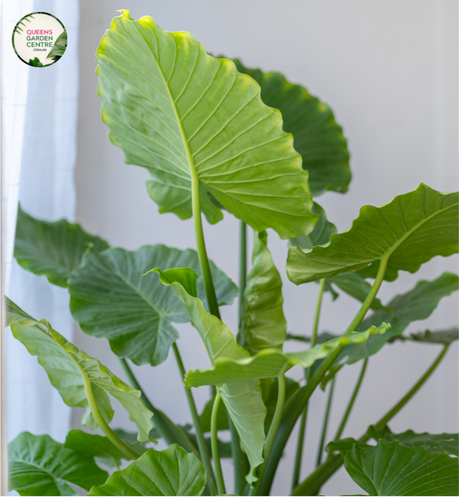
(291, 387)
(270, 363)
(243, 400)
(433, 442)
(436, 337)
(417, 304)
(354, 285)
(317, 136)
(172, 472)
(111, 298)
(52, 249)
(68, 367)
(392, 469)
(410, 230)
(206, 416)
(39, 466)
(263, 322)
(321, 233)
(189, 117)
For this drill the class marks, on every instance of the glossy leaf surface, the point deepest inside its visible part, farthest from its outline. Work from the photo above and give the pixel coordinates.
(52, 249)
(409, 231)
(270, 363)
(243, 400)
(189, 117)
(317, 136)
(171, 472)
(263, 323)
(391, 469)
(112, 299)
(68, 367)
(40, 466)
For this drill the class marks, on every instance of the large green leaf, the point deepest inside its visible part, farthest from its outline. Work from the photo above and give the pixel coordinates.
(68, 367)
(433, 442)
(271, 363)
(171, 472)
(392, 469)
(408, 231)
(39, 466)
(100, 447)
(191, 118)
(263, 322)
(53, 249)
(111, 299)
(317, 136)
(414, 305)
(243, 400)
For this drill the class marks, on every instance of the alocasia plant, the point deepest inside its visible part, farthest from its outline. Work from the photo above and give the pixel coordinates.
(216, 136)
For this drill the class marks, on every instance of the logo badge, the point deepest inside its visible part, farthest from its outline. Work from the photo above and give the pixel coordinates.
(39, 39)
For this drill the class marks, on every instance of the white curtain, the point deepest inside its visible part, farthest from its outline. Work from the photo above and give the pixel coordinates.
(39, 122)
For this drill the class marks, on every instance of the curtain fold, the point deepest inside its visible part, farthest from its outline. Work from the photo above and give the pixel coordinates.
(39, 118)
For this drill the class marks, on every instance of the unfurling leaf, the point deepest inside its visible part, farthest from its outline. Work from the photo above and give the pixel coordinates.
(192, 119)
(40, 466)
(243, 400)
(407, 232)
(68, 367)
(171, 472)
(263, 322)
(112, 299)
(316, 135)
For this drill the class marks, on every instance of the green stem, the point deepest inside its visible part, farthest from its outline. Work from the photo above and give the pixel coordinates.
(325, 424)
(118, 442)
(272, 432)
(340, 430)
(304, 416)
(201, 246)
(242, 265)
(290, 418)
(166, 428)
(214, 442)
(196, 420)
(315, 480)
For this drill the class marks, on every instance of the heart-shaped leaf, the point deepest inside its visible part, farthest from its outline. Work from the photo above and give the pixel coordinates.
(171, 472)
(242, 400)
(39, 466)
(68, 367)
(271, 363)
(417, 304)
(392, 469)
(317, 136)
(407, 232)
(433, 442)
(193, 120)
(100, 447)
(111, 299)
(52, 249)
(263, 322)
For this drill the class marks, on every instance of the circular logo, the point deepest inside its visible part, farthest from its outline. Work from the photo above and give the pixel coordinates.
(39, 39)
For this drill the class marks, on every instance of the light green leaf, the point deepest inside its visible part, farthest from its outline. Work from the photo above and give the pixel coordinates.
(58, 49)
(433, 442)
(67, 367)
(52, 249)
(321, 233)
(392, 469)
(354, 285)
(243, 400)
(408, 231)
(317, 136)
(39, 466)
(190, 118)
(417, 304)
(271, 363)
(100, 447)
(263, 322)
(111, 299)
(172, 472)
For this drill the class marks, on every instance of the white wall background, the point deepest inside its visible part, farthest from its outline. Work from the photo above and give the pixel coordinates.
(388, 68)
